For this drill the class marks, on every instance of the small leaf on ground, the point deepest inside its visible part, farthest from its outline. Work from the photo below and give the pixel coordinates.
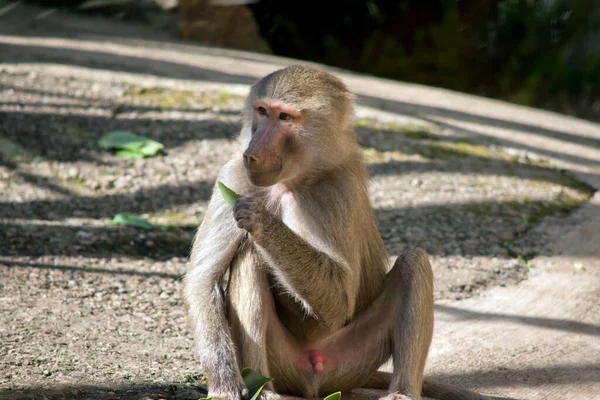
(129, 145)
(254, 382)
(128, 154)
(131, 220)
(229, 195)
(334, 396)
(579, 267)
(525, 262)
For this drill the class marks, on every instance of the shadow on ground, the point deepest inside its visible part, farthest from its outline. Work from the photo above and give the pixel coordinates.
(528, 377)
(428, 227)
(69, 137)
(566, 374)
(550, 323)
(92, 270)
(188, 70)
(120, 392)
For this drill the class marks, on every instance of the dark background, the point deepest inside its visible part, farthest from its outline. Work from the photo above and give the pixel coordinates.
(537, 53)
(544, 53)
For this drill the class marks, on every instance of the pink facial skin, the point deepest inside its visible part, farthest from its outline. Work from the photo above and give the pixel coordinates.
(277, 108)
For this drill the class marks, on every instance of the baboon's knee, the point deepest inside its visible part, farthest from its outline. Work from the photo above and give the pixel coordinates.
(415, 261)
(412, 267)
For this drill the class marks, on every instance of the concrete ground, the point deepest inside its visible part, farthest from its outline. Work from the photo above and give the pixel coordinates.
(539, 339)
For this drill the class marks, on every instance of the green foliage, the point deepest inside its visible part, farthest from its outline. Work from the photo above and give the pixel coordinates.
(525, 262)
(543, 53)
(553, 50)
(254, 382)
(129, 145)
(131, 220)
(229, 195)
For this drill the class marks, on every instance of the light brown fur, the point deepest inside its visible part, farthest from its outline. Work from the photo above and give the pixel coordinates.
(298, 265)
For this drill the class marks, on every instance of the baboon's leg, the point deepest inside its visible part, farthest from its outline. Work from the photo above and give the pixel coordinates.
(250, 308)
(413, 325)
(399, 322)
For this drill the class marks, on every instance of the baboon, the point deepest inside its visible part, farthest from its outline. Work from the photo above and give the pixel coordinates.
(293, 281)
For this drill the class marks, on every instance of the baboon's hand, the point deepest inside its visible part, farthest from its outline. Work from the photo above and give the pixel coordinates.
(271, 395)
(396, 396)
(249, 214)
(236, 391)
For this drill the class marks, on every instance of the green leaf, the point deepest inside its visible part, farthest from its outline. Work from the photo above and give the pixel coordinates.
(206, 398)
(334, 396)
(128, 154)
(131, 220)
(254, 381)
(151, 148)
(130, 145)
(120, 140)
(229, 195)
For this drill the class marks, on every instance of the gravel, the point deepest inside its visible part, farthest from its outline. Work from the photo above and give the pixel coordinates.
(93, 310)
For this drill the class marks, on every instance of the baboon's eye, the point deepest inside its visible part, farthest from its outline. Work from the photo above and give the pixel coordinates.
(262, 110)
(285, 117)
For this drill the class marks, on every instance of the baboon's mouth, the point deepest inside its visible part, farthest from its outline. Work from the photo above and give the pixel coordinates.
(260, 172)
(263, 178)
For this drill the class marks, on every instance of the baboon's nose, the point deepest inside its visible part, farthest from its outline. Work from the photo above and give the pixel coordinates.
(250, 160)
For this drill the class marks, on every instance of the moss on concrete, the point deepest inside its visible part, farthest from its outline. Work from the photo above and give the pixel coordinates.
(172, 99)
(373, 156)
